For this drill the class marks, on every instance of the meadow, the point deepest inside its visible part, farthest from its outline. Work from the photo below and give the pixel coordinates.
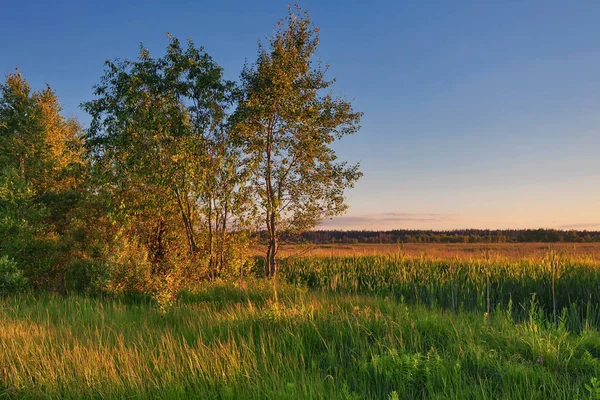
(398, 325)
(512, 251)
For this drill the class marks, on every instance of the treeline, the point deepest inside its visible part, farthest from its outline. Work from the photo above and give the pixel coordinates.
(176, 170)
(454, 236)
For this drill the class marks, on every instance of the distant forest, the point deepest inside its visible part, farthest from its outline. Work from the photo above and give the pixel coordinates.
(455, 236)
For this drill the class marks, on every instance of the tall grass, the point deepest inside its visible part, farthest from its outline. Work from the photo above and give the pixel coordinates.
(284, 342)
(380, 327)
(567, 285)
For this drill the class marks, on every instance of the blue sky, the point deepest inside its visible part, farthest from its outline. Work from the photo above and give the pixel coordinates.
(477, 113)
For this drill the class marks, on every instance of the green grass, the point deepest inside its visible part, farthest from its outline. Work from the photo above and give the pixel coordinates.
(286, 342)
(462, 284)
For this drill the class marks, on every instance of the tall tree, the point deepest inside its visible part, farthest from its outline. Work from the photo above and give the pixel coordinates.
(286, 122)
(159, 144)
(41, 177)
(224, 197)
(21, 130)
(45, 147)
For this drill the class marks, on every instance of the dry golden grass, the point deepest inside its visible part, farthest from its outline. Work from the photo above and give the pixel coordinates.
(512, 251)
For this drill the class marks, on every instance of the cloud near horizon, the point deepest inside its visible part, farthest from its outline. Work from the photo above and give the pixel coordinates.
(435, 221)
(580, 226)
(388, 220)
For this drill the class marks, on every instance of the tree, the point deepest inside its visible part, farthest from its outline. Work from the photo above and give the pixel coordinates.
(160, 149)
(21, 129)
(285, 124)
(41, 178)
(225, 199)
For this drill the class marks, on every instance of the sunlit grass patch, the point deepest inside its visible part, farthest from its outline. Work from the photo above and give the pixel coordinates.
(273, 340)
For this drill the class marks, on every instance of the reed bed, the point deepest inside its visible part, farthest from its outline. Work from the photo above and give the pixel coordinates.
(561, 286)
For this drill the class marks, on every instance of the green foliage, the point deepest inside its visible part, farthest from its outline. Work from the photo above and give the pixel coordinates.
(286, 124)
(593, 388)
(129, 267)
(173, 164)
(165, 290)
(12, 280)
(41, 175)
(237, 262)
(87, 276)
(25, 234)
(21, 216)
(21, 128)
(162, 155)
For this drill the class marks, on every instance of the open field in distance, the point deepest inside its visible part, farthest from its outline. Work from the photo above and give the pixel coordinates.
(444, 250)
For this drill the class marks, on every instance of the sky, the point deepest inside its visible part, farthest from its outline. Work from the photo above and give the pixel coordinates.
(477, 114)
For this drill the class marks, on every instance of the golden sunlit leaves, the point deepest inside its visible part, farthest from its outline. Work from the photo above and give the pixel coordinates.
(285, 125)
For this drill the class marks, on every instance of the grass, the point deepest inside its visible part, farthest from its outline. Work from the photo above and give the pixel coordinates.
(448, 251)
(480, 284)
(341, 336)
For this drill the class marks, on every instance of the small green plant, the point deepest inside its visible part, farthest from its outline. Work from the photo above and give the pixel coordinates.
(166, 290)
(593, 389)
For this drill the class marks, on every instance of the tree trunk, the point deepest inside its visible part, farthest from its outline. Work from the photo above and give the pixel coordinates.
(211, 250)
(187, 223)
(223, 239)
(271, 207)
(273, 258)
(157, 246)
(272, 249)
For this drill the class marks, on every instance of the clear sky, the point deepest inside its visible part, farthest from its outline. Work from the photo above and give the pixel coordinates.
(482, 113)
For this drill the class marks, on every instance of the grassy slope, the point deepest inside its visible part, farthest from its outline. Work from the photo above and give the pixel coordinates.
(226, 342)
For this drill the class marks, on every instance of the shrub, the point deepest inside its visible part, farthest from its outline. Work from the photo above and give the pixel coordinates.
(165, 290)
(87, 276)
(238, 263)
(11, 277)
(129, 268)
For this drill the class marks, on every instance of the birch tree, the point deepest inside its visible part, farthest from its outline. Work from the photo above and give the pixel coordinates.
(286, 121)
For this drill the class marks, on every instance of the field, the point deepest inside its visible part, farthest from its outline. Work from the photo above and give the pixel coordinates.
(506, 322)
(513, 251)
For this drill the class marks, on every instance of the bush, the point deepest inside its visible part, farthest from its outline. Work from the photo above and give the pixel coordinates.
(11, 277)
(165, 290)
(129, 268)
(87, 276)
(238, 262)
